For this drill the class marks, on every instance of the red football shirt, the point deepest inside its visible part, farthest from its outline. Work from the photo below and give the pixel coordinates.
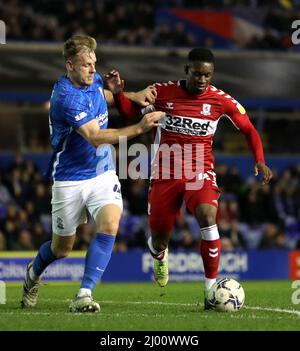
(192, 120)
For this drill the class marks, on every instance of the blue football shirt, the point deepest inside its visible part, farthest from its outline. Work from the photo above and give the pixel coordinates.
(73, 157)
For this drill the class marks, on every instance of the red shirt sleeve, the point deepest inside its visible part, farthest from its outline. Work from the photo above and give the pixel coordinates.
(238, 116)
(126, 107)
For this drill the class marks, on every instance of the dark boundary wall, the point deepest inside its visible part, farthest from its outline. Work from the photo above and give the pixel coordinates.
(257, 79)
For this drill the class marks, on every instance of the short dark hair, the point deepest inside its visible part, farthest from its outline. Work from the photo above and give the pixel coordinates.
(201, 54)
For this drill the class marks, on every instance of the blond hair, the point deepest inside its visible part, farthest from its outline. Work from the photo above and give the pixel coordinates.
(78, 44)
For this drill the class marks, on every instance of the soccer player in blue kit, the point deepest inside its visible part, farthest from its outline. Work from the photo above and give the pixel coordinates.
(83, 172)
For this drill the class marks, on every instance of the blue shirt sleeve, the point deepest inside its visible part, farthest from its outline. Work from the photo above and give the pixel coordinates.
(77, 110)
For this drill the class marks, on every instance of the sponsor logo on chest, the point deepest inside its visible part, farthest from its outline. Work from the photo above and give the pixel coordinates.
(189, 125)
(102, 118)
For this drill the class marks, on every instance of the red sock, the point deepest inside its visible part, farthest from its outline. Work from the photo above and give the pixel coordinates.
(210, 251)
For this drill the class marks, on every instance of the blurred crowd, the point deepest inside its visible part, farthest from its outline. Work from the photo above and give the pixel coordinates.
(250, 215)
(133, 22)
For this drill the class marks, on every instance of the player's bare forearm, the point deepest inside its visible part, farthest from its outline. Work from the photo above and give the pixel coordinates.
(112, 136)
(91, 132)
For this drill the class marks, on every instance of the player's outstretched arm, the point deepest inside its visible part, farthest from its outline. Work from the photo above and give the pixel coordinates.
(91, 132)
(255, 144)
(240, 119)
(115, 84)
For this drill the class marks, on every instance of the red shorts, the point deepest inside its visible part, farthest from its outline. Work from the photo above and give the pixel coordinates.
(165, 199)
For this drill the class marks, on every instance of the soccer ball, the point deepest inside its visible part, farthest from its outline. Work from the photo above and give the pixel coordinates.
(226, 295)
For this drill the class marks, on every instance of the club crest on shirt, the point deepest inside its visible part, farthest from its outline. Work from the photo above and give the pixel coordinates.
(206, 109)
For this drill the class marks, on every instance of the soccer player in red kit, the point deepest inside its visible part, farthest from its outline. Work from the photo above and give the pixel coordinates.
(192, 109)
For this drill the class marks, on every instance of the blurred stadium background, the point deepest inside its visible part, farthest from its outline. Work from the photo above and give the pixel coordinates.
(147, 42)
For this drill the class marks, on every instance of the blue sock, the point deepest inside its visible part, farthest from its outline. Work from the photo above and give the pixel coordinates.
(43, 259)
(97, 258)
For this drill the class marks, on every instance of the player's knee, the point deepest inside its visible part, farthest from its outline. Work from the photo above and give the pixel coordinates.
(207, 220)
(109, 227)
(206, 216)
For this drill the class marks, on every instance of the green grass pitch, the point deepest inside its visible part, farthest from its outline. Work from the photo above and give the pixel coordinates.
(145, 306)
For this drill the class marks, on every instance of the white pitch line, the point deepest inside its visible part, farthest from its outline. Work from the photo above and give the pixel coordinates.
(132, 314)
(257, 308)
(151, 303)
(279, 310)
(33, 313)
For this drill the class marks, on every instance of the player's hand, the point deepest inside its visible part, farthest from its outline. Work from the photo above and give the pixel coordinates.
(265, 170)
(151, 120)
(114, 82)
(145, 97)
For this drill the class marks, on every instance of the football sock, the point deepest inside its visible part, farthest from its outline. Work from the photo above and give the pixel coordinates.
(97, 258)
(209, 283)
(210, 252)
(155, 254)
(42, 260)
(84, 292)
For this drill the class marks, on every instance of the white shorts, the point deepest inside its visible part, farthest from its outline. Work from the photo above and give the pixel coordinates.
(72, 199)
